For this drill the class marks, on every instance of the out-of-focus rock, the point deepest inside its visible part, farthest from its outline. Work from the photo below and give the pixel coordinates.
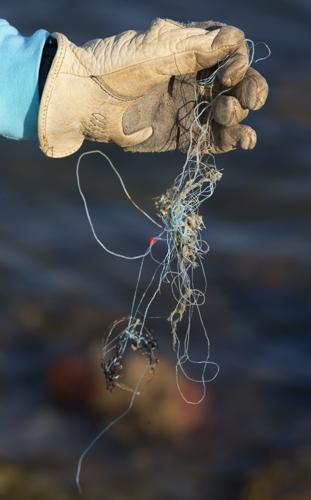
(159, 410)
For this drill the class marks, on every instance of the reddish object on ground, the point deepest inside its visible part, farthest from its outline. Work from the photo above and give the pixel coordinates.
(70, 381)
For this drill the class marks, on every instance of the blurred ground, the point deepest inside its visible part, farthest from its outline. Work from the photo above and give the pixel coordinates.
(250, 440)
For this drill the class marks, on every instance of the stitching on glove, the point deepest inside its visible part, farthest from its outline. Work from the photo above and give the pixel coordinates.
(106, 88)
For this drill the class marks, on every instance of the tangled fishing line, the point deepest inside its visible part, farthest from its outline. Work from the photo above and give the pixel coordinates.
(181, 237)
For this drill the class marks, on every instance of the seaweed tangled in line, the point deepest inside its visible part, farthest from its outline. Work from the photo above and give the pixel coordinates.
(178, 209)
(144, 344)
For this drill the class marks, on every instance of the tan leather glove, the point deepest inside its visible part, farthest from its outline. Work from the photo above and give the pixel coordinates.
(91, 90)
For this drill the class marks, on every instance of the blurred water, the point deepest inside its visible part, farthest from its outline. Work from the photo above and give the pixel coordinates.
(59, 290)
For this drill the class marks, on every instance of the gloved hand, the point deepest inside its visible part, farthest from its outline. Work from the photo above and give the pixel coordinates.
(169, 108)
(98, 91)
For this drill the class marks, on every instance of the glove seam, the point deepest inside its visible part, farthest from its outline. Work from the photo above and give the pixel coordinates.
(112, 93)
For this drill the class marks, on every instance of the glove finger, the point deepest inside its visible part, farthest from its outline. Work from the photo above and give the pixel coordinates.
(252, 91)
(228, 138)
(209, 49)
(235, 68)
(228, 111)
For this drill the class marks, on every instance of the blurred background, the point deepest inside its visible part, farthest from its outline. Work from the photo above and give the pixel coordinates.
(250, 439)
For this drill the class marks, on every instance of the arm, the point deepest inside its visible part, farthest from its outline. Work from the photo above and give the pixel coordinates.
(20, 59)
(102, 91)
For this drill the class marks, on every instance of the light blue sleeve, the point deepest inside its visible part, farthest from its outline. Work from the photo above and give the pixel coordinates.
(20, 59)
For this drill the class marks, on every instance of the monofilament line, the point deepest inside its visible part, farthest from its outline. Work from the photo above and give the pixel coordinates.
(105, 429)
(99, 241)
